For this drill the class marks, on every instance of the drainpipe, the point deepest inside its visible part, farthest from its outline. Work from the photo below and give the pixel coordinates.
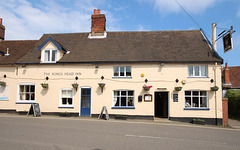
(215, 92)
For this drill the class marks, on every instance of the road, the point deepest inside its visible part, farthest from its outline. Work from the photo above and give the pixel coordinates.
(55, 133)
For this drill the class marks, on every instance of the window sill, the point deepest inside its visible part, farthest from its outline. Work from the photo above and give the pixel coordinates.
(197, 77)
(122, 77)
(196, 109)
(123, 107)
(65, 107)
(25, 102)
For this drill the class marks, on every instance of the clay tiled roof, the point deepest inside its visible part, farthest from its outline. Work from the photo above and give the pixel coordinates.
(234, 73)
(155, 46)
(17, 49)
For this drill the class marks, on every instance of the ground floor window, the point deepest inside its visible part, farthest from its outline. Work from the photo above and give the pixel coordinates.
(123, 98)
(196, 99)
(66, 98)
(26, 93)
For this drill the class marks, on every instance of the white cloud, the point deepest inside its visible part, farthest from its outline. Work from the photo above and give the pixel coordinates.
(171, 6)
(26, 19)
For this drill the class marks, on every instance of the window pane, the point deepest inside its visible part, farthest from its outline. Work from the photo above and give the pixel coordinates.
(195, 102)
(32, 88)
(47, 56)
(64, 101)
(123, 92)
(116, 101)
(203, 71)
(196, 69)
(70, 101)
(203, 93)
(195, 93)
(33, 96)
(188, 93)
(121, 71)
(21, 88)
(187, 101)
(130, 93)
(203, 102)
(190, 71)
(116, 71)
(54, 55)
(130, 101)
(116, 93)
(128, 71)
(123, 101)
(27, 88)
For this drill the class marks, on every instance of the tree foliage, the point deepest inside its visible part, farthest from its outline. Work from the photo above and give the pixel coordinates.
(233, 103)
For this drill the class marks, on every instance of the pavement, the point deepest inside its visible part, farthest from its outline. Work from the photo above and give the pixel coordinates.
(234, 123)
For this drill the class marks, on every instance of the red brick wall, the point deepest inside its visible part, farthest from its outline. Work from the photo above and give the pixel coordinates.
(2, 32)
(225, 111)
(98, 22)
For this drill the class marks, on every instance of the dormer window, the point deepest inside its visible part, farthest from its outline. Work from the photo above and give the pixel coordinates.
(50, 55)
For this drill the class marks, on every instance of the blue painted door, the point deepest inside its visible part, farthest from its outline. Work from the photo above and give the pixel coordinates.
(86, 102)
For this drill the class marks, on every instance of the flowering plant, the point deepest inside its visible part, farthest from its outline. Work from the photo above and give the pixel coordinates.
(2, 83)
(178, 88)
(145, 87)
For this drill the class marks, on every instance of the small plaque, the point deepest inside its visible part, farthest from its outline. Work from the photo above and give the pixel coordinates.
(147, 97)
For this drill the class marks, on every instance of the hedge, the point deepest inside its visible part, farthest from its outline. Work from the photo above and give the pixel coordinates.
(233, 103)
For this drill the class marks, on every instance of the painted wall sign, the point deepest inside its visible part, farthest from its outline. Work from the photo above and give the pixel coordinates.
(62, 73)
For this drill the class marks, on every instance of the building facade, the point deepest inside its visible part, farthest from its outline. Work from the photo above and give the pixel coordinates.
(138, 74)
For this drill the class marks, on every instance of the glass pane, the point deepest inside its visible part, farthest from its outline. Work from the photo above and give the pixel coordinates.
(195, 93)
(130, 101)
(203, 71)
(130, 93)
(116, 93)
(22, 96)
(187, 101)
(88, 91)
(121, 71)
(21, 88)
(203, 102)
(33, 96)
(84, 92)
(54, 55)
(27, 96)
(190, 71)
(27, 88)
(195, 102)
(47, 56)
(64, 101)
(70, 101)
(32, 88)
(123, 101)
(123, 93)
(116, 71)
(116, 101)
(128, 71)
(188, 93)
(203, 93)
(196, 69)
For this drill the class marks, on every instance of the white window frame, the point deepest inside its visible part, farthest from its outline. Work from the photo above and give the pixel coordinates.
(199, 96)
(51, 51)
(18, 93)
(200, 71)
(120, 95)
(60, 98)
(125, 72)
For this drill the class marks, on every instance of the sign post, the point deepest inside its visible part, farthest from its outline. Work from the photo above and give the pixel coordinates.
(106, 113)
(35, 110)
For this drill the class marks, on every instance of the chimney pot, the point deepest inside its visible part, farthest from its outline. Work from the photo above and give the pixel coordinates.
(98, 11)
(0, 20)
(95, 11)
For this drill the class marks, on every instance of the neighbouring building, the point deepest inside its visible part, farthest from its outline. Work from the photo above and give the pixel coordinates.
(138, 74)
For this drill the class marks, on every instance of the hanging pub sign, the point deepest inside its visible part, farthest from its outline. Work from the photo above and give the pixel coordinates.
(227, 42)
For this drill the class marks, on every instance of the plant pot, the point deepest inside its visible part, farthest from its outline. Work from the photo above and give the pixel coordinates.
(2, 83)
(214, 88)
(101, 85)
(44, 85)
(178, 88)
(75, 86)
(146, 88)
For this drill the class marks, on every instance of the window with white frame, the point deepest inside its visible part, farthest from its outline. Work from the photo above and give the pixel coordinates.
(196, 99)
(122, 71)
(123, 98)
(26, 93)
(66, 98)
(197, 71)
(50, 55)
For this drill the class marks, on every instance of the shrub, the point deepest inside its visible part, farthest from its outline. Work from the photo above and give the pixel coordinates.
(233, 103)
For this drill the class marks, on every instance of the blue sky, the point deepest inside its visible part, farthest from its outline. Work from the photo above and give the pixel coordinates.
(29, 19)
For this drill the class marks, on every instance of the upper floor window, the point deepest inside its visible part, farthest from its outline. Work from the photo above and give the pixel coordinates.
(26, 93)
(50, 55)
(122, 71)
(197, 71)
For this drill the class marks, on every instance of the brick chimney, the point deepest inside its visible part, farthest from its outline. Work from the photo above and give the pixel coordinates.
(2, 30)
(226, 75)
(98, 23)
